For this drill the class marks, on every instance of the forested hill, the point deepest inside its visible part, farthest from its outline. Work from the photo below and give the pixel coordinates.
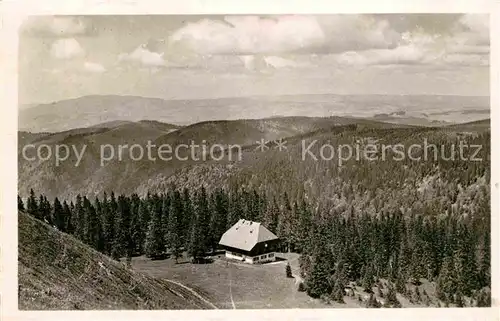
(405, 215)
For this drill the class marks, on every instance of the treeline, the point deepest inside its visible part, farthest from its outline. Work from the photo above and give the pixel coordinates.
(336, 247)
(156, 225)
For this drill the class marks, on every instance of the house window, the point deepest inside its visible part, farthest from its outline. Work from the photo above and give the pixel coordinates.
(255, 259)
(271, 254)
(263, 256)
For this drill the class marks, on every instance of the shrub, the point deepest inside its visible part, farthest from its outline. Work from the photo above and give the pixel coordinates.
(373, 302)
(288, 271)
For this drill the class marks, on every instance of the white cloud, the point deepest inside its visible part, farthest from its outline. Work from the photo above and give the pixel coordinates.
(144, 57)
(66, 48)
(253, 35)
(356, 39)
(477, 28)
(400, 55)
(93, 67)
(280, 62)
(55, 26)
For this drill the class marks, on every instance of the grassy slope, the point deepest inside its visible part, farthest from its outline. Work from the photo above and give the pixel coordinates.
(58, 272)
(263, 286)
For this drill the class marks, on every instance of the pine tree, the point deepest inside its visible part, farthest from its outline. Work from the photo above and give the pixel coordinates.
(199, 243)
(271, 216)
(20, 204)
(391, 298)
(465, 264)
(135, 228)
(44, 209)
(318, 282)
(446, 284)
(165, 201)
(304, 264)
(337, 293)
(235, 209)
(285, 223)
(373, 302)
(219, 217)
(288, 271)
(368, 279)
(144, 219)
(109, 208)
(58, 215)
(484, 270)
(78, 218)
(175, 226)
(68, 228)
(304, 225)
(123, 245)
(483, 298)
(155, 243)
(95, 234)
(188, 216)
(32, 206)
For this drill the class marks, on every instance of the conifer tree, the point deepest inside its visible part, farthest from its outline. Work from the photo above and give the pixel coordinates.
(337, 293)
(446, 284)
(391, 298)
(20, 204)
(175, 226)
(187, 218)
(123, 245)
(199, 243)
(288, 271)
(108, 215)
(78, 218)
(219, 216)
(58, 215)
(484, 270)
(32, 206)
(44, 209)
(165, 201)
(368, 279)
(155, 242)
(318, 282)
(144, 216)
(68, 228)
(235, 209)
(373, 302)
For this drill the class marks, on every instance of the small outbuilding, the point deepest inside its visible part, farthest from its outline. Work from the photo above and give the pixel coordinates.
(249, 242)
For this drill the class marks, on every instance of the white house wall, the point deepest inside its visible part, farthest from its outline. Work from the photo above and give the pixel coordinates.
(264, 258)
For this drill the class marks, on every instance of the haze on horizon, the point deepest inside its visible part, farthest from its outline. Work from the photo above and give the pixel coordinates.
(209, 57)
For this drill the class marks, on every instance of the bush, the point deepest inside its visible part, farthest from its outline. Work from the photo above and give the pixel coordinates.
(391, 298)
(302, 287)
(483, 298)
(373, 302)
(288, 271)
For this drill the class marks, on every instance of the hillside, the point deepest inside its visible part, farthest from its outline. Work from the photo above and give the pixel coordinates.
(127, 175)
(346, 216)
(58, 272)
(254, 169)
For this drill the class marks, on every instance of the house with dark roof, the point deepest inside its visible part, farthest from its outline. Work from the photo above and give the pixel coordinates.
(249, 242)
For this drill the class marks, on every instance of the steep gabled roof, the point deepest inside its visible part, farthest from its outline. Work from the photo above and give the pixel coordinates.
(244, 235)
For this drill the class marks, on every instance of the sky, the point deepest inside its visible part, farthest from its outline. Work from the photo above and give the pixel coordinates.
(199, 57)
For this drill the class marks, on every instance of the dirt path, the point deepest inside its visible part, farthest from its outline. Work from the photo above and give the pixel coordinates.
(193, 292)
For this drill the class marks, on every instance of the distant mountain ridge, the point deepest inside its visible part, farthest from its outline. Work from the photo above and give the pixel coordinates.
(97, 109)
